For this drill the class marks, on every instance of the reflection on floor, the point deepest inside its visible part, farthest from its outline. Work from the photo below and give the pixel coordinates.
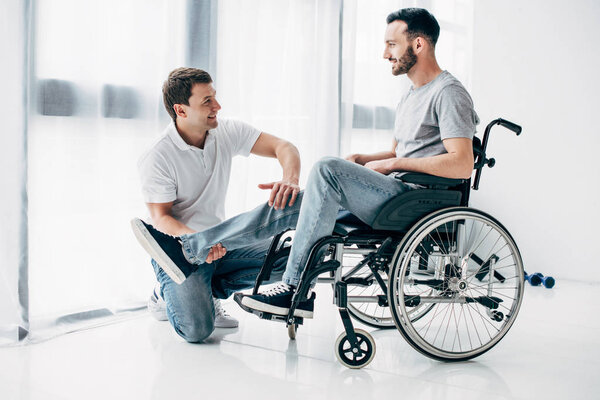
(553, 351)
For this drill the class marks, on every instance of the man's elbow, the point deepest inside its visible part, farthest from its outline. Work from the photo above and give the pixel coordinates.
(158, 217)
(286, 147)
(466, 170)
(467, 174)
(292, 147)
(463, 167)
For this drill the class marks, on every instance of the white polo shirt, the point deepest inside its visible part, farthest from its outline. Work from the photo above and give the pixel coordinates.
(194, 179)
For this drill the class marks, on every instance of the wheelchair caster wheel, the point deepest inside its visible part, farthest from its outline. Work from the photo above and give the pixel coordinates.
(292, 329)
(355, 357)
(497, 316)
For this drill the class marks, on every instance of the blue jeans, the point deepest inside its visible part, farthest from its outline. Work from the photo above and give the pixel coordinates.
(190, 307)
(333, 184)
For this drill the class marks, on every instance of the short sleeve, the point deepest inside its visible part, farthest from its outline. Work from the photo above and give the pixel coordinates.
(158, 183)
(242, 136)
(456, 115)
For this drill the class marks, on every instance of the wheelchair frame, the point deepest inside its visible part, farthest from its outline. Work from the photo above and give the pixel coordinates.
(397, 244)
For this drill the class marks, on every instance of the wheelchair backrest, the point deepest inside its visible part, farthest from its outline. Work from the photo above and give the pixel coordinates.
(401, 212)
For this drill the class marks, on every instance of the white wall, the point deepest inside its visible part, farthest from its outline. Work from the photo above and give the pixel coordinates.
(537, 63)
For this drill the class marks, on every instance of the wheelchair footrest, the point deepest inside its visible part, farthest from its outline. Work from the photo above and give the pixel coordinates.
(358, 281)
(265, 315)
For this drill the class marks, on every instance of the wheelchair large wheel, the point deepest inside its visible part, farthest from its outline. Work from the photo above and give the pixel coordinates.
(474, 292)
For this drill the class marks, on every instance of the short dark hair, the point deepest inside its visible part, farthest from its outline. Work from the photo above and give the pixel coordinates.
(177, 89)
(420, 23)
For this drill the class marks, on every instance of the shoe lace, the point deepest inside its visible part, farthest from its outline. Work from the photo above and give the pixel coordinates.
(279, 289)
(219, 310)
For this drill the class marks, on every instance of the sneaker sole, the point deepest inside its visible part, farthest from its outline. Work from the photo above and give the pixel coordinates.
(159, 315)
(152, 247)
(258, 306)
(226, 324)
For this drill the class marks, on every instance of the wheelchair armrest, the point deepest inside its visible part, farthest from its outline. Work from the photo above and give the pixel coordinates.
(432, 181)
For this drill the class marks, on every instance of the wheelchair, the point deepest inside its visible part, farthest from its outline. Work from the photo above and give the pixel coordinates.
(449, 277)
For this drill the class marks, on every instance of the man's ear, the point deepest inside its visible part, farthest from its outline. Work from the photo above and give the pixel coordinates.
(179, 110)
(418, 44)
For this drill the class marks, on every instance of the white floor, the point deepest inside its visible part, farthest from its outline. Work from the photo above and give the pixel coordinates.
(552, 352)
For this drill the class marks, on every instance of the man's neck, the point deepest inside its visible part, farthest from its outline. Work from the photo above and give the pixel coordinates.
(193, 137)
(421, 75)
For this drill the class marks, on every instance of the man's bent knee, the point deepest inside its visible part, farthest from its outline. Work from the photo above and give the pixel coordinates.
(326, 165)
(329, 162)
(195, 331)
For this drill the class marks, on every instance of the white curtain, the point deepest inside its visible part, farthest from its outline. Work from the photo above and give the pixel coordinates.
(277, 68)
(13, 298)
(91, 74)
(96, 72)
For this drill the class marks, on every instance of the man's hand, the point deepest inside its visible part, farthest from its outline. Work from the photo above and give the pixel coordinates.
(382, 166)
(216, 252)
(280, 192)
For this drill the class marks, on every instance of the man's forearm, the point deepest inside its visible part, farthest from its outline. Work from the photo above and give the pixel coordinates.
(170, 226)
(288, 156)
(445, 165)
(362, 159)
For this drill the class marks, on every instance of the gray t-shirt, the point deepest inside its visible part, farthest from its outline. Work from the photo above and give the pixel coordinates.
(427, 115)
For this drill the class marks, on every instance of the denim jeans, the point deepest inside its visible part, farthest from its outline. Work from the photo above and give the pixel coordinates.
(190, 307)
(333, 184)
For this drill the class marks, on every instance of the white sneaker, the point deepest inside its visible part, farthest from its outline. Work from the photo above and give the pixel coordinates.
(158, 309)
(222, 319)
(157, 305)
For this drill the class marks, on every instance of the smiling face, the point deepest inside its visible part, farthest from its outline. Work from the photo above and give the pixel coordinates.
(201, 114)
(398, 49)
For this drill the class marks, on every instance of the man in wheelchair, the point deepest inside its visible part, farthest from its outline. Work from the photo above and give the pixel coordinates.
(435, 124)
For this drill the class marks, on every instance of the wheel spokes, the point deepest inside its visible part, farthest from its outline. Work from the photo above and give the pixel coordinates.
(461, 319)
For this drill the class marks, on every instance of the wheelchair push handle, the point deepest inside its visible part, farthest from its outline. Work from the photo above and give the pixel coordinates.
(509, 125)
(502, 122)
(479, 164)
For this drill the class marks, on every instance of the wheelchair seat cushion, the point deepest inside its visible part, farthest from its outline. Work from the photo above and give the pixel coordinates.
(403, 211)
(347, 222)
(399, 213)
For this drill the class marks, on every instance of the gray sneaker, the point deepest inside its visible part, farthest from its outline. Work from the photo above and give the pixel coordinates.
(158, 310)
(222, 319)
(157, 305)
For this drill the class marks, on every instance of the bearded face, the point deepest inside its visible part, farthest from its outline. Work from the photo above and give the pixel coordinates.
(404, 63)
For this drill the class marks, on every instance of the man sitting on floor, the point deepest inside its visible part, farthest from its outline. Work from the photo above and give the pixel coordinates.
(184, 179)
